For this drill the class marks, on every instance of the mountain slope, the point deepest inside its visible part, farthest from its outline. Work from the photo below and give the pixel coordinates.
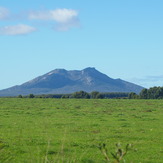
(63, 81)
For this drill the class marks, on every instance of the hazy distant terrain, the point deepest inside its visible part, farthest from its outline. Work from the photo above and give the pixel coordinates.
(63, 81)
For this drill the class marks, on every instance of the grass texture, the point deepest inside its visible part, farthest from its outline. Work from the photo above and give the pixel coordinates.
(70, 130)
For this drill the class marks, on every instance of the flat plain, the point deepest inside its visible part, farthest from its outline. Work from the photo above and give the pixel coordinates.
(70, 130)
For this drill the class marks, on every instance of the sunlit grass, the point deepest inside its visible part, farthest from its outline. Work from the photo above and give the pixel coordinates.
(70, 130)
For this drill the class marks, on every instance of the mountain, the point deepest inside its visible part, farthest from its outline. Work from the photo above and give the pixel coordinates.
(60, 81)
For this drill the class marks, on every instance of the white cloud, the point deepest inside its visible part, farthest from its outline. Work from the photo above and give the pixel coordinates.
(4, 13)
(60, 20)
(64, 18)
(63, 15)
(58, 15)
(20, 29)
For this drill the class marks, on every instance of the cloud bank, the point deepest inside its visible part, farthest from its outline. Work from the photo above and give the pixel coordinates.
(20, 29)
(59, 19)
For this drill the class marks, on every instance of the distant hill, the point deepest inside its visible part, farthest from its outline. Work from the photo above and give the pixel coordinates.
(60, 81)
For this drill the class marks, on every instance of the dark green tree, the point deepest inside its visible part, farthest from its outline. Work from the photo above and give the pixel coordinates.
(94, 94)
(20, 96)
(133, 95)
(31, 96)
(159, 93)
(144, 94)
(152, 93)
(81, 94)
(100, 96)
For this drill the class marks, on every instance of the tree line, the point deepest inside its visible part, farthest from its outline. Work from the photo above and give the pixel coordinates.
(80, 95)
(151, 93)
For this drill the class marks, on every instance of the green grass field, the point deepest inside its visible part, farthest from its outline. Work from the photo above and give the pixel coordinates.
(70, 130)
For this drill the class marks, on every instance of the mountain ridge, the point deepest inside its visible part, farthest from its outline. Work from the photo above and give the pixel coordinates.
(61, 81)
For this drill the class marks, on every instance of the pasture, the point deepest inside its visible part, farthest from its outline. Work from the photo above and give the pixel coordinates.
(70, 130)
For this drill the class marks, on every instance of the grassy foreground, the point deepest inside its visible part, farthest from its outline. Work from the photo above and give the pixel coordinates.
(70, 130)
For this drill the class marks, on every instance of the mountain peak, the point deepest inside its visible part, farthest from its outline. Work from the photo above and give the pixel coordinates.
(58, 71)
(89, 69)
(61, 81)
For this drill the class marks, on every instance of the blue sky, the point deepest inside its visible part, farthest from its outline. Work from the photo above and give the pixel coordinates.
(121, 38)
